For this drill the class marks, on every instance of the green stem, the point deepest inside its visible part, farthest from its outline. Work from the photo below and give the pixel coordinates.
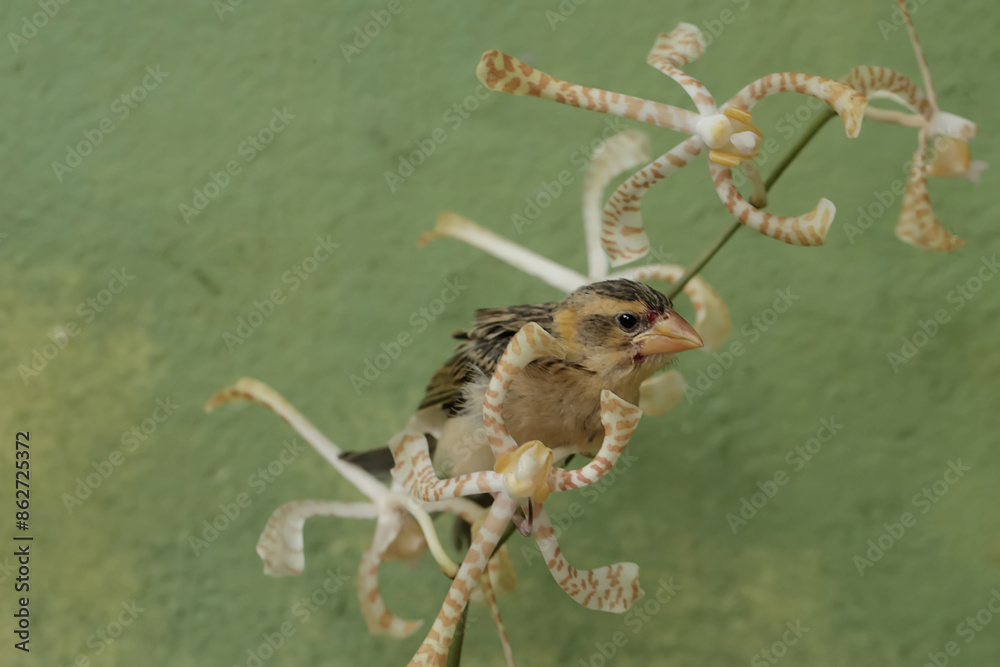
(709, 253)
(455, 651)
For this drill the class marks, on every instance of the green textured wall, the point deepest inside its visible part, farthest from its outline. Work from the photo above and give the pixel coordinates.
(161, 338)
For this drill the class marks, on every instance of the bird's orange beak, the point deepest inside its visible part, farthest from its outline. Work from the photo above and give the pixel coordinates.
(669, 334)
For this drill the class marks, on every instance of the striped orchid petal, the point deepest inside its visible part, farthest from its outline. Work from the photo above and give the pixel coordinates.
(810, 228)
(619, 153)
(415, 473)
(917, 224)
(499, 71)
(281, 546)
(622, 232)
(673, 50)
(876, 82)
(620, 419)
(434, 649)
(378, 618)
(849, 104)
(528, 344)
(612, 588)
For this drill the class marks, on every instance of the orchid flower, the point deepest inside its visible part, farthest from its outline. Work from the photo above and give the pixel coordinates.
(403, 526)
(619, 153)
(727, 131)
(523, 476)
(917, 223)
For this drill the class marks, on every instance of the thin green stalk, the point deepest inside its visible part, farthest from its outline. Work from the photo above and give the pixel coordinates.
(709, 253)
(455, 652)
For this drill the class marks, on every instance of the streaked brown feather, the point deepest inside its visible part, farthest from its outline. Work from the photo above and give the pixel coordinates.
(480, 350)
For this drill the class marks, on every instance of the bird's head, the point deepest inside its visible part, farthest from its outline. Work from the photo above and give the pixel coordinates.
(620, 326)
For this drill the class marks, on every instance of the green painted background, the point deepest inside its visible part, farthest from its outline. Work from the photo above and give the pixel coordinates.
(162, 337)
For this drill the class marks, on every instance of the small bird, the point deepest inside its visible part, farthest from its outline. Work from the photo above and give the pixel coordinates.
(616, 333)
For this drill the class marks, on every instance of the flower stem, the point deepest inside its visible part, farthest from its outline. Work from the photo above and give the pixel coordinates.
(455, 650)
(709, 253)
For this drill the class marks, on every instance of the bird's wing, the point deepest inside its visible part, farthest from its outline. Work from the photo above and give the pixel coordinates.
(480, 350)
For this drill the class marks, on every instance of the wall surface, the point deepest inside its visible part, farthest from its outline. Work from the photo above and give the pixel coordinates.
(210, 78)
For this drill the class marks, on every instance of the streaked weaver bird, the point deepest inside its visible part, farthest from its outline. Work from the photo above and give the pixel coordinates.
(616, 333)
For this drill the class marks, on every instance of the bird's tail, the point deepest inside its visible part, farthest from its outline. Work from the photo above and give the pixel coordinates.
(376, 461)
(379, 461)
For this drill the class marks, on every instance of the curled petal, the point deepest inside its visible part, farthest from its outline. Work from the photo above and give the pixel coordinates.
(499, 71)
(528, 344)
(623, 235)
(810, 228)
(805, 230)
(256, 391)
(660, 393)
(712, 319)
(415, 473)
(620, 419)
(457, 227)
(619, 153)
(611, 588)
(378, 618)
(681, 46)
(875, 82)
(280, 545)
(673, 50)
(434, 648)
(917, 224)
(845, 100)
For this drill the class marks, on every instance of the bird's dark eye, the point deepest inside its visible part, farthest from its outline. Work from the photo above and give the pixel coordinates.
(626, 321)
